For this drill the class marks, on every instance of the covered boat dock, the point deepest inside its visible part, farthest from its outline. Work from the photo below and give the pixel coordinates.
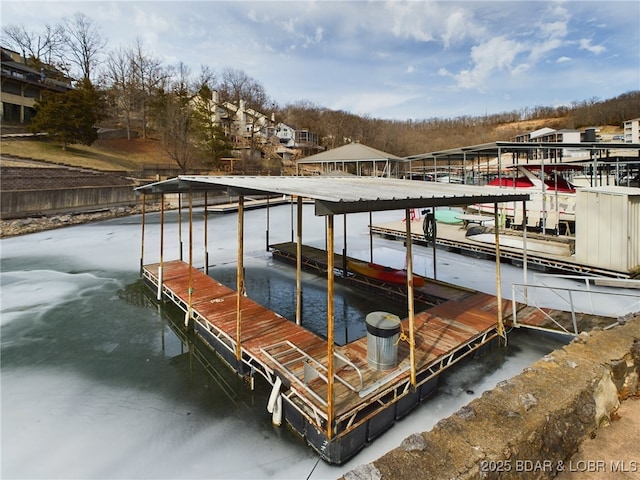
(331, 395)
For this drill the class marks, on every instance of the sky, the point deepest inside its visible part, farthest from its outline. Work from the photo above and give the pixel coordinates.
(398, 60)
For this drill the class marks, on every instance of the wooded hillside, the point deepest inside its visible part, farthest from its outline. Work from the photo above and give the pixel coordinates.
(411, 137)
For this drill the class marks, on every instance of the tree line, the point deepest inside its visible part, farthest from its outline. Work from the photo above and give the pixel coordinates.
(131, 87)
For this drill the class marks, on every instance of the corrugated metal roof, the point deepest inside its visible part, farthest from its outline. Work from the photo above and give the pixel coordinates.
(336, 195)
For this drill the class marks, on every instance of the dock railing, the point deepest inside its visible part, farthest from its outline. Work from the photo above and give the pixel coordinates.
(615, 298)
(287, 356)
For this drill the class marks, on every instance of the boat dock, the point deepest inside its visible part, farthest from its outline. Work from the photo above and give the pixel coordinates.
(335, 396)
(543, 252)
(367, 401)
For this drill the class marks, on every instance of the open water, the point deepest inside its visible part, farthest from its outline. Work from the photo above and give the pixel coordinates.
(96, 384)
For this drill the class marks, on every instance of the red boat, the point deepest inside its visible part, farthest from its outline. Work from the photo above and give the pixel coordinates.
(380, 272)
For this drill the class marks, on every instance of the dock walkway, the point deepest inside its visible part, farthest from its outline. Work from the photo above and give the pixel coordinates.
(367, 401)
(543, 252)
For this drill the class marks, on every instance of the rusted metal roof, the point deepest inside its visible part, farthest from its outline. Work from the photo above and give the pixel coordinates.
(338, 195)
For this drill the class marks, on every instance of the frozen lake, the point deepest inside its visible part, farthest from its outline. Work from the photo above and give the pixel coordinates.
(95, 384)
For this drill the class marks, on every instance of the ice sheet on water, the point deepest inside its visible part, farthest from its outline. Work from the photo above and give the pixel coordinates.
(82, 429)
(33, 292)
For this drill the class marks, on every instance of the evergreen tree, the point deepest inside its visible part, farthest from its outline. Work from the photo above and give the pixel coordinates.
(212, 139)
(69, 117)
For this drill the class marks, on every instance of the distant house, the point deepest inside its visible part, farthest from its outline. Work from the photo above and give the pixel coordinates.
(550, 135)
(296, 138)
(23, 86)
(632, 131)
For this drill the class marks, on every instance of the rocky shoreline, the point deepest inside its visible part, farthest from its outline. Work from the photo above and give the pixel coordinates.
(23, 226)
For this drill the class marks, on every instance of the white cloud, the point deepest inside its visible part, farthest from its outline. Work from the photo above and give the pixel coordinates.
(409, 19)
(458, 26)
(146, 20)
(364, 103)
(315, 39)
(585, 44)
(496, 55)
(563, 59)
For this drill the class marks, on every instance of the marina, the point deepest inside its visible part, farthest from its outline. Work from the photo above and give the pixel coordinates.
(338, 397)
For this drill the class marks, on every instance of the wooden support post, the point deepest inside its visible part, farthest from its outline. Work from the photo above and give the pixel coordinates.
(180, 223)
(299, 264)
(187, 318)
(266, 236)
(498, 274)
(370, 237)
(344, 245)
(330, 333)
(291, 203)
(144, 203)
(206, 239)
(240, 280)
(159, 296)
(524, 249)
(412, 349)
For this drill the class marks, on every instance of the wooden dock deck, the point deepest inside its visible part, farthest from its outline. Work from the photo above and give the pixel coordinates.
(366, 401)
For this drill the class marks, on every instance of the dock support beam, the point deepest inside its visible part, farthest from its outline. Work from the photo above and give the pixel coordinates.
(299, 263)
(240, 280)
(180, 223)
(524, 251)
(187, 318)
(266, 233)
(498, 272)
(144, 204)
(206, 239)
(412, 350)
(160, 280)
(330, 336)
(370, 237)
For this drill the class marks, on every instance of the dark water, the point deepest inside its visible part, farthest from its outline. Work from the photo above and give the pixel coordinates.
(274, 287)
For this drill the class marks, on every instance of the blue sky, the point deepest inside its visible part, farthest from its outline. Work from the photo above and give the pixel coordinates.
(385, 59)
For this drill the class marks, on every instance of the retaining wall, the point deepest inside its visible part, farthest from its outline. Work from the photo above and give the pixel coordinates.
(530, 425)
(24, 203)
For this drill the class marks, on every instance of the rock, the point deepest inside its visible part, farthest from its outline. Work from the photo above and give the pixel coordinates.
(414, 442)
(363, 472)
(528, 401)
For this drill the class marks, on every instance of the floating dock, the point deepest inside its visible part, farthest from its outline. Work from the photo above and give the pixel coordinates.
(367, 401)
(334, 396)
(557, 256)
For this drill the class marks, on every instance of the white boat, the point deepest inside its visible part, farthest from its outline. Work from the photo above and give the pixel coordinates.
(553, 199)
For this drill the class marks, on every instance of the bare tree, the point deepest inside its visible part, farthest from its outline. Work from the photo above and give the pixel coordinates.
(84, 42)
(45, 47)
(120, 77)
(174, 114)
(150, 78)
(177, 132)
(236, 85)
